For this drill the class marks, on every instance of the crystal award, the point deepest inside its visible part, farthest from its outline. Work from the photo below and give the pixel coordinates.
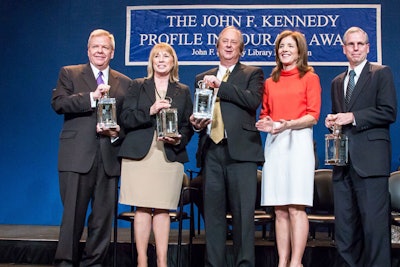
(167, 122)
(336, 147)
(106, 112)
(204, 100)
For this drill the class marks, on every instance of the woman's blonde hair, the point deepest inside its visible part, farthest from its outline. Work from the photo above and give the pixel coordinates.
(164, 47)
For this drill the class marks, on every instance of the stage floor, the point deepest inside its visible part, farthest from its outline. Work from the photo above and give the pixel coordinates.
(31, 245)
(50, 234)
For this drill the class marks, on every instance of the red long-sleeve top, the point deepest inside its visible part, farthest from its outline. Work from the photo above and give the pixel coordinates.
(292, 97)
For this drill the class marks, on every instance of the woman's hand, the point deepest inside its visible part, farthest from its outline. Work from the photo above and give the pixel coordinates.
(103, 130)
(159, 105)
(265, 124)
(176, 140)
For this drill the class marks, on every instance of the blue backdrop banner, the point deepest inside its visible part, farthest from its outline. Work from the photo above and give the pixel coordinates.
(193, 31)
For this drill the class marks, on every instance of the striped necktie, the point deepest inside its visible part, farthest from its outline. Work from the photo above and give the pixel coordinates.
(350, 86)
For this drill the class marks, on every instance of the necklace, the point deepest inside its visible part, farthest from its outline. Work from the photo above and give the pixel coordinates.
(165, 97)
(159, 93)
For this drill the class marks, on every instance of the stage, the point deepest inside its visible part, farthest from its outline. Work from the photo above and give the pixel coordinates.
(22, 245)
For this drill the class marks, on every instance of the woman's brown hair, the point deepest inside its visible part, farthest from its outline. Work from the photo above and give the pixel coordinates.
(302, 61)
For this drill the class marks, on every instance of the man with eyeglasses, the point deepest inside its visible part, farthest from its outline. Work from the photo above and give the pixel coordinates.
(364, 105)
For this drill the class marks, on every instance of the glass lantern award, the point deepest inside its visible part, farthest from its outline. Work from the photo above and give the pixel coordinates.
(204, 100)
(167, 122)
(106, 111)
(336, 147)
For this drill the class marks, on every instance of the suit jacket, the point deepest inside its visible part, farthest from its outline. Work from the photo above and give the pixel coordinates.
(140, 126)
(374, 106)
(240, 98)
(79, 141)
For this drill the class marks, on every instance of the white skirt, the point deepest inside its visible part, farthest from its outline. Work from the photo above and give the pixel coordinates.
(288, 171)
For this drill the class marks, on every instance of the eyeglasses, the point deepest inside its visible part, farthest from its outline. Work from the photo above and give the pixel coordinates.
(359, 44)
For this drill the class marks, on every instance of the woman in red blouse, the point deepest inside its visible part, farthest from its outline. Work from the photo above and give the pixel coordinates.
(291, 106)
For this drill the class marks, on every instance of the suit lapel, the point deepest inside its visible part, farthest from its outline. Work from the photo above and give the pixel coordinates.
(340, 91)
(113, 81)
(149, 89)
(89, 78)
(213, 71)
(236, 69)
(361, 82)
(172, 90)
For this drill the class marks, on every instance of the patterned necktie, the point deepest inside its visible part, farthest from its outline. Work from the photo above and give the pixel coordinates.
(350, 86)
(217, 126)
(99, 78)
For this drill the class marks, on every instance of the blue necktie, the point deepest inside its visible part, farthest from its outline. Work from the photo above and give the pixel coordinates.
(350, 86)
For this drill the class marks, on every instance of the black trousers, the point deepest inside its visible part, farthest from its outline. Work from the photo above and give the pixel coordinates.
(228, 180)
(362, 218)
(77, 191)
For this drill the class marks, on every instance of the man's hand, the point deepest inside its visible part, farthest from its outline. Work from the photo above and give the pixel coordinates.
(199, 124)
(212, 81)
(101, 90)
(339, 119)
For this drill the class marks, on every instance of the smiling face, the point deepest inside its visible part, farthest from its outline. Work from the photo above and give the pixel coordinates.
(162, 63)
(288, 53)
(230, 46)
(356, 47)
(100, 51)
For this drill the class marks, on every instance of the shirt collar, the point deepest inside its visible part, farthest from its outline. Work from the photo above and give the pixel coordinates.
(358, 69)
(222, 70)
(105, 72)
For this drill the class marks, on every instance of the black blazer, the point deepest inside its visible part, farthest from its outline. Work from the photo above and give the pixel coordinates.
(240, 98)
(78, 139)
(140, 126)
(374, 106)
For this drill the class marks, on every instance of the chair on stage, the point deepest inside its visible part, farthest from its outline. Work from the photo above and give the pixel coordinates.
(322, 212)
(197, 182)
(178, 215)
(394, 189)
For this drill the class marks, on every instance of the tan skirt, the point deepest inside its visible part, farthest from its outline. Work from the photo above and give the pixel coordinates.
(152, 182)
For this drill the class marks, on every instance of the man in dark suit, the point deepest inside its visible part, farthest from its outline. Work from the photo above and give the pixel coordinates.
(87, 160)
(229, 164)
(364, 112)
